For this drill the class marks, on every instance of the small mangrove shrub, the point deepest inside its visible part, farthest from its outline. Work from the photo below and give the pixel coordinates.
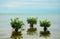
(32, 21)
(16, 24)
(45, 24)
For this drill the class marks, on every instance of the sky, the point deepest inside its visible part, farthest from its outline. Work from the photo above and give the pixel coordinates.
(30, 6)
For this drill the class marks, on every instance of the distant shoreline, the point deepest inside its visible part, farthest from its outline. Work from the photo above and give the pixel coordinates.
(30, 14)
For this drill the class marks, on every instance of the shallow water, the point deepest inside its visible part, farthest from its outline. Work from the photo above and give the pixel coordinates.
(6, 30)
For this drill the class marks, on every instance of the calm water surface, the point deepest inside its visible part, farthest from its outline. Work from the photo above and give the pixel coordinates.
(6, 32)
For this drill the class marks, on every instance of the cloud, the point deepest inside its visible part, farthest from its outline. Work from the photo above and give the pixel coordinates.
(31, 5)
(42, 4)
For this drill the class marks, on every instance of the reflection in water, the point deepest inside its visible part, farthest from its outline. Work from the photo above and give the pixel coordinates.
(31, 31)
(45, 34)
(16, 35)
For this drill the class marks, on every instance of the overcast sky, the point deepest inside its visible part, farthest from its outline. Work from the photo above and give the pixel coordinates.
(30, 6)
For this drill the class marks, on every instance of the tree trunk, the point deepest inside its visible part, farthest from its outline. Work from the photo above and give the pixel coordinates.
(45, 28)
(16, 29)
(31, 25)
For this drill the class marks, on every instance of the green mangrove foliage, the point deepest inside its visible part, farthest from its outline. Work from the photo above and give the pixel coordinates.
(45, 24)
(16, 24)
(32, 21)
